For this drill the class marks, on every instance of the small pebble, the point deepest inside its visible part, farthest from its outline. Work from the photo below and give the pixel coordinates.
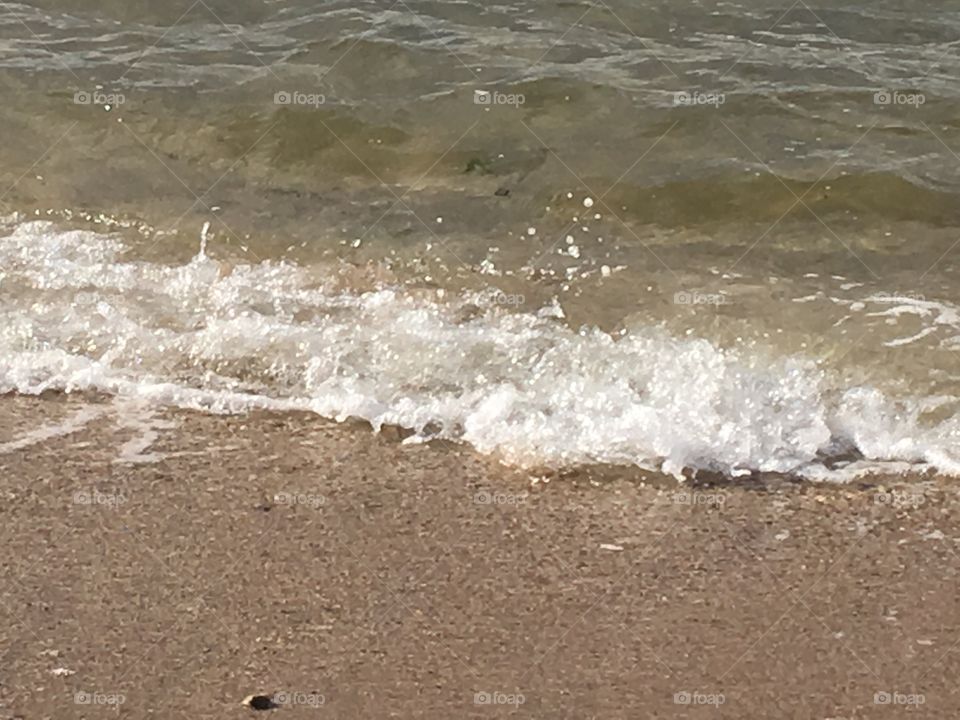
(259, 702)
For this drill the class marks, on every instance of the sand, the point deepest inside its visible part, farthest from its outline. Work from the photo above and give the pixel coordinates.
(171, 566)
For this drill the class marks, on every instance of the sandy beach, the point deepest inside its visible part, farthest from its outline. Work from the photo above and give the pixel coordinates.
(171, 564)
(656, 302)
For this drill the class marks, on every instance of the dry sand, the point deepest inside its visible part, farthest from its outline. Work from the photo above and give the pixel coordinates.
(365, 578)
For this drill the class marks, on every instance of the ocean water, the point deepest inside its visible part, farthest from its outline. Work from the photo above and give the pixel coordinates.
(681, 235)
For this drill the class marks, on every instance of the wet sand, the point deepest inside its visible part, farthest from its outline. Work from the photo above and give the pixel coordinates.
(224, 556)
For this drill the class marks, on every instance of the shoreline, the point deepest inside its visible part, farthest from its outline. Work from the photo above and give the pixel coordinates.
(224, 556)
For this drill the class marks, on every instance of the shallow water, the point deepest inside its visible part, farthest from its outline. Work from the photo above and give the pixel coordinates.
(683, 235)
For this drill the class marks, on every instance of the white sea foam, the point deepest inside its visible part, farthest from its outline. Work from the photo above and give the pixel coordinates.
(937, 314)
(77, 315)
(35, 436)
